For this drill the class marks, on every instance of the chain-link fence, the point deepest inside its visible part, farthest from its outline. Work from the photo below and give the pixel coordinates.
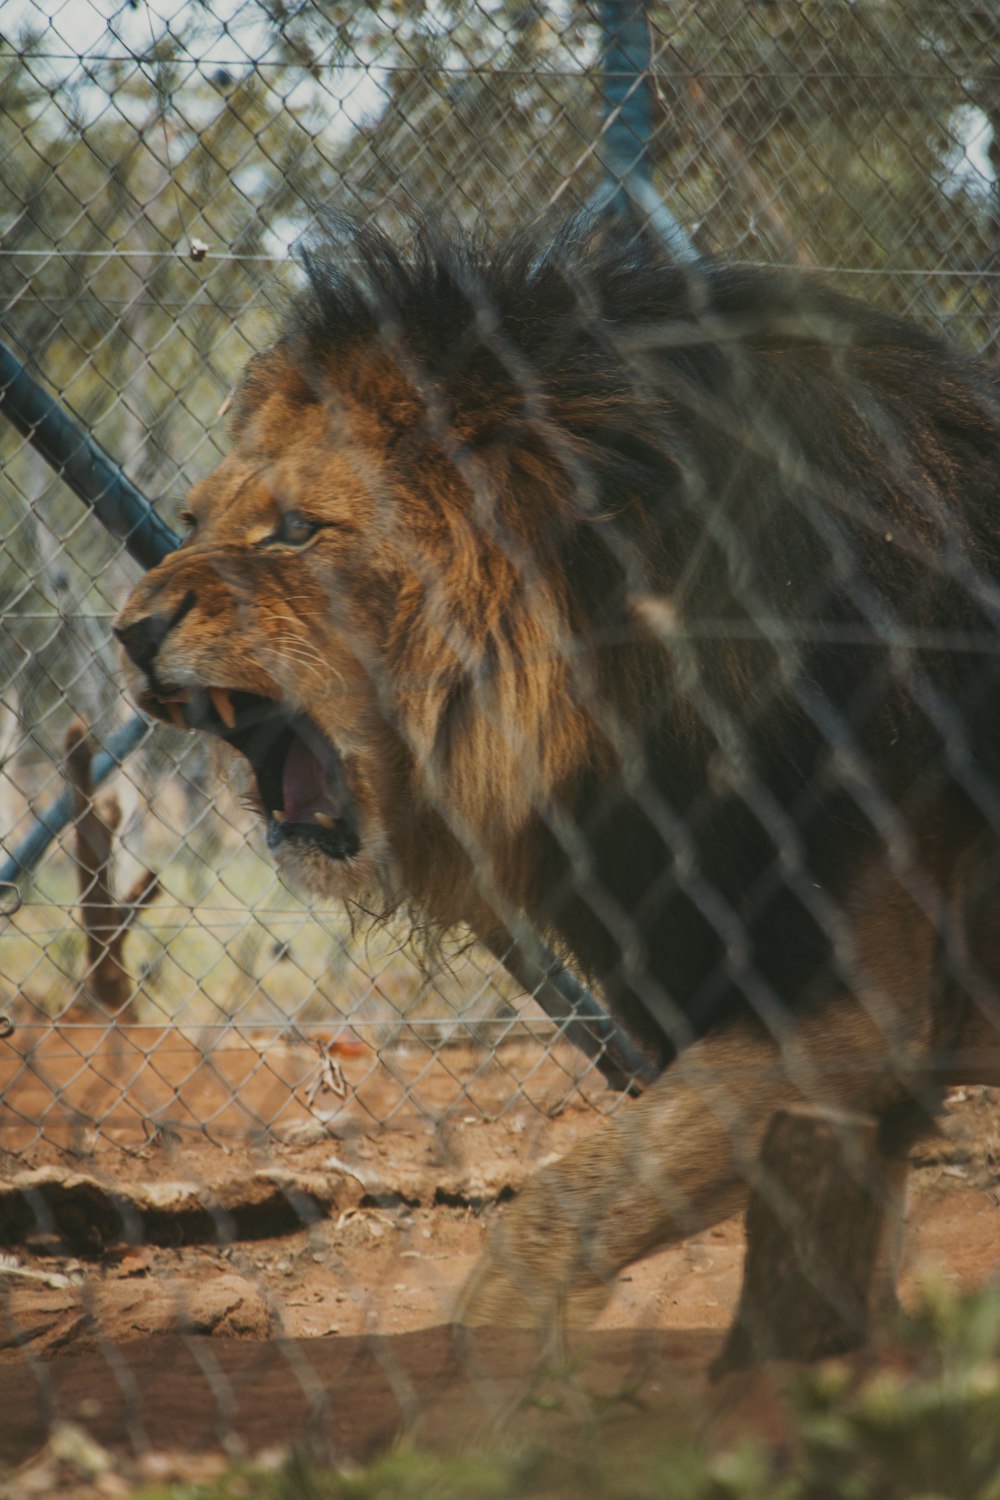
(166, 992)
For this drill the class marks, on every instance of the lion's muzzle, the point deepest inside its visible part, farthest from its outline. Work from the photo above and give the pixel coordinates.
(143, 638)
(302, 792)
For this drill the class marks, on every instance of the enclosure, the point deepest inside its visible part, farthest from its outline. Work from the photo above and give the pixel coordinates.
(251, 1146)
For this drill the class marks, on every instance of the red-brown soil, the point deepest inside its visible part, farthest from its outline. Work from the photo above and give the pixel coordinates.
(281, 1279)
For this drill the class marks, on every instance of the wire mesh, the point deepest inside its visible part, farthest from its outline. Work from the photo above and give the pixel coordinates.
(307, 1093)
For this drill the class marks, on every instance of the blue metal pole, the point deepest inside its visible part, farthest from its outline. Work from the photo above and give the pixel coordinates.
(628, 116)
(50, 823)
(99, 482)
(627, 132)
(82, 464)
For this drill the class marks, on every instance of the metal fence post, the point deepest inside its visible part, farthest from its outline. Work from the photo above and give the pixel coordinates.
(85, 467)
(627, 128)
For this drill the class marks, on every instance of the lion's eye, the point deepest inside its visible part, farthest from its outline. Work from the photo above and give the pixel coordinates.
(294, 529)
(188, 520)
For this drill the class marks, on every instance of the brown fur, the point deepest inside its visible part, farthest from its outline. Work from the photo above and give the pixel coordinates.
(660, 607)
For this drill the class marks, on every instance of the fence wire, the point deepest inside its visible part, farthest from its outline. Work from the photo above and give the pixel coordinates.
(201, 1063)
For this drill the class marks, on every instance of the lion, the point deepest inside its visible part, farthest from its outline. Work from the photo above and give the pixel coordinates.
(654, 607)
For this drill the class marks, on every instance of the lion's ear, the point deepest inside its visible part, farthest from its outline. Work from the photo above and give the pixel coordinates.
(264, 376)
(247, 393)
(391, 389)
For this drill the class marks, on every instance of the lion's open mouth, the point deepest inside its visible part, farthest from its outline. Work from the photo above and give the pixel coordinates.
(301, 787)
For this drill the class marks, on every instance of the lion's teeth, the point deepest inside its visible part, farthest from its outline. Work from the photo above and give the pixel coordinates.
(324, 820)
(277, 816)
(223, 705)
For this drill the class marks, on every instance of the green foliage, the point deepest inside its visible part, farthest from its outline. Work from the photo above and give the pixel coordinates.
(935, 1433)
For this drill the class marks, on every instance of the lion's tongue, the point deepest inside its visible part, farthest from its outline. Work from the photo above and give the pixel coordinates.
(305, 789)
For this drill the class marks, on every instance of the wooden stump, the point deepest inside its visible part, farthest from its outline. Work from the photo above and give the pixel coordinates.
(106, 920)
(824, 1225)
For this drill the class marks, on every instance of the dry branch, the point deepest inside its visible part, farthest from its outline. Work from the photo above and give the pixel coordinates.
(106, 920)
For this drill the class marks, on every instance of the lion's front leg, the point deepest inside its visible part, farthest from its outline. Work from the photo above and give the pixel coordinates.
(665, 1167)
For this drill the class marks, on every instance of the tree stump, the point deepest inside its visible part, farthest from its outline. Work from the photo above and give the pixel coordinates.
(106, 920)
(824, 1226)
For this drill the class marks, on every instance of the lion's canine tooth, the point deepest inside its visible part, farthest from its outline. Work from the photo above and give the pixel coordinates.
(223, 705)
(277, 816)
(324, 819)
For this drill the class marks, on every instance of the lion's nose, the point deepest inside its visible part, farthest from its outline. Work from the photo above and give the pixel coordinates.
(143, 638)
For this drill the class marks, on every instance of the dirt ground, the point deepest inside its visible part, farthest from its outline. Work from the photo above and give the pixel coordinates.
(288, 1275)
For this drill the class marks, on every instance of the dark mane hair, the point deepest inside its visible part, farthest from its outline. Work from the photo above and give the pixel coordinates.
(769, 516)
